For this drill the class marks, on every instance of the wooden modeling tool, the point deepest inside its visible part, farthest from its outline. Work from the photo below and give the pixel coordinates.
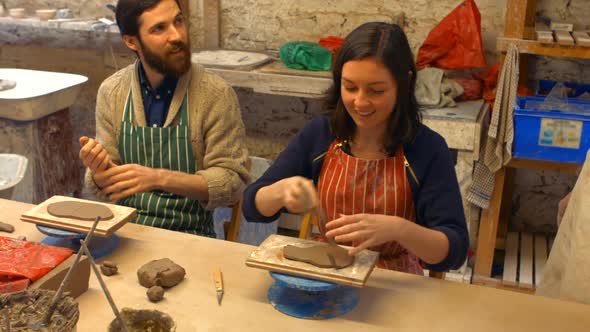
(218, 279)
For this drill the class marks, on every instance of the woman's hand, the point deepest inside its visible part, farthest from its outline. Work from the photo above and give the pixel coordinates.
(364, 230)
(297, 194)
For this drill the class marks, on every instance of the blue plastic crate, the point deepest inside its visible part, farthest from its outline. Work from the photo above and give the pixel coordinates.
(551, 135)
(574, 89)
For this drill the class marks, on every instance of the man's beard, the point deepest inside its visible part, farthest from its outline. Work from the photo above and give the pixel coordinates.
(166, 64)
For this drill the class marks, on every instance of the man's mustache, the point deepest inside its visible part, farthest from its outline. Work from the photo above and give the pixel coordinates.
(178, 46)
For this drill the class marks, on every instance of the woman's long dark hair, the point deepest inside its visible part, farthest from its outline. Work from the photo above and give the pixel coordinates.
(386, 43)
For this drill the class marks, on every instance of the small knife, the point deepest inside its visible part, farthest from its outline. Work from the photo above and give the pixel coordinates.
(218, 279)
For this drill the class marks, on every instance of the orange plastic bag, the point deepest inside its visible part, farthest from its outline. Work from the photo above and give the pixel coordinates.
(332, 43)
(21, 261)
(455, 43)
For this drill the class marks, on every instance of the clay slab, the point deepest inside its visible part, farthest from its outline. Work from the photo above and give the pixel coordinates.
(79, 210)
(322, 255)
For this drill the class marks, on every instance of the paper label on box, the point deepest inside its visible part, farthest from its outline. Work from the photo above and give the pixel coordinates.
(560, 133)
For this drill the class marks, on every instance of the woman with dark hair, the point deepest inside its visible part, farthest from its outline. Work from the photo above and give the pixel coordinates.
(384, 180)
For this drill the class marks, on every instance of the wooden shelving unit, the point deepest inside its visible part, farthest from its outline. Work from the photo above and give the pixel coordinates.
(519, 28)
(527, 46)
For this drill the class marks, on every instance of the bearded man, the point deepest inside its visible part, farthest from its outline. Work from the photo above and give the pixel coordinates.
(169, 135)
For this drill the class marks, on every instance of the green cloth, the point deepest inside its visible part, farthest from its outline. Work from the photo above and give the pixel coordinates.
(306, 55)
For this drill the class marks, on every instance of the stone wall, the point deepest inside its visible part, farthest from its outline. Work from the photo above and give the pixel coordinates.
(79, 8)
(266, 24)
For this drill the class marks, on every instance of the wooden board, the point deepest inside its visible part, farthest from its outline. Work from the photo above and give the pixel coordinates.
(525, 275)
(269, 256)
(560, 26)
(278, 67)
(230, 59)
(540, 257)
(564, 38)
(39, 215)
(545, 37)
(543, 34)
(511, 260)
(582, 38)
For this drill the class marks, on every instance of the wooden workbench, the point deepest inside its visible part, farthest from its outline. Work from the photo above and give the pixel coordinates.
(392, 301)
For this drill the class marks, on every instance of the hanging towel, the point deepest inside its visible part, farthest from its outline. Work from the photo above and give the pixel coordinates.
(498, 143)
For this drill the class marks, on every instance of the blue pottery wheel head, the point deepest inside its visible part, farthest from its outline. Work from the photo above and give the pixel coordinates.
(310, 299)
(99, 246)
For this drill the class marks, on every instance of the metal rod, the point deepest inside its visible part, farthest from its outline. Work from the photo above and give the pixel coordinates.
(103, 285)
(63, 284)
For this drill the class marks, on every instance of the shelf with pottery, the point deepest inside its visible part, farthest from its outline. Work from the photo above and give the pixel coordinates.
(535, 47)
(494, 220)
(60, 33)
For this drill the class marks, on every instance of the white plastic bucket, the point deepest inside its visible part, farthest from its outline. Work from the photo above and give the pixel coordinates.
(12, 170)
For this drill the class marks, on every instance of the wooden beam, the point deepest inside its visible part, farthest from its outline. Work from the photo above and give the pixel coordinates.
(488, 228)
(519, 16)
(544, 165)
(535, 47)
(506, 208)
(525, 274)
(511, 260)
(211, 24)
(540, 257)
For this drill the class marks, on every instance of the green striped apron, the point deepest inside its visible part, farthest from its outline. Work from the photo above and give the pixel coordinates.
(168, 148)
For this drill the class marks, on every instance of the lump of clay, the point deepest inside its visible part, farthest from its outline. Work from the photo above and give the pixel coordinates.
(4, 227)
(6, 84)
(322, 255)
(162, 272)
(155, 293)
(79, 210)
(109, 268)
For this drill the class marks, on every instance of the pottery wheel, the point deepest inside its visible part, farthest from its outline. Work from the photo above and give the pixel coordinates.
(79, 210)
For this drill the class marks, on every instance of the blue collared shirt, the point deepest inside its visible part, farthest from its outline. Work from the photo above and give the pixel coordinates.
(156, 102)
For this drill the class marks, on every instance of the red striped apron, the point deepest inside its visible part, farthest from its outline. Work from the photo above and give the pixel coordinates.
(350, 185)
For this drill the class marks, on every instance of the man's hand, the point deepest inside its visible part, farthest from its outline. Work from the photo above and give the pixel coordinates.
(122, 181)
(94, 155)
(364, 230)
